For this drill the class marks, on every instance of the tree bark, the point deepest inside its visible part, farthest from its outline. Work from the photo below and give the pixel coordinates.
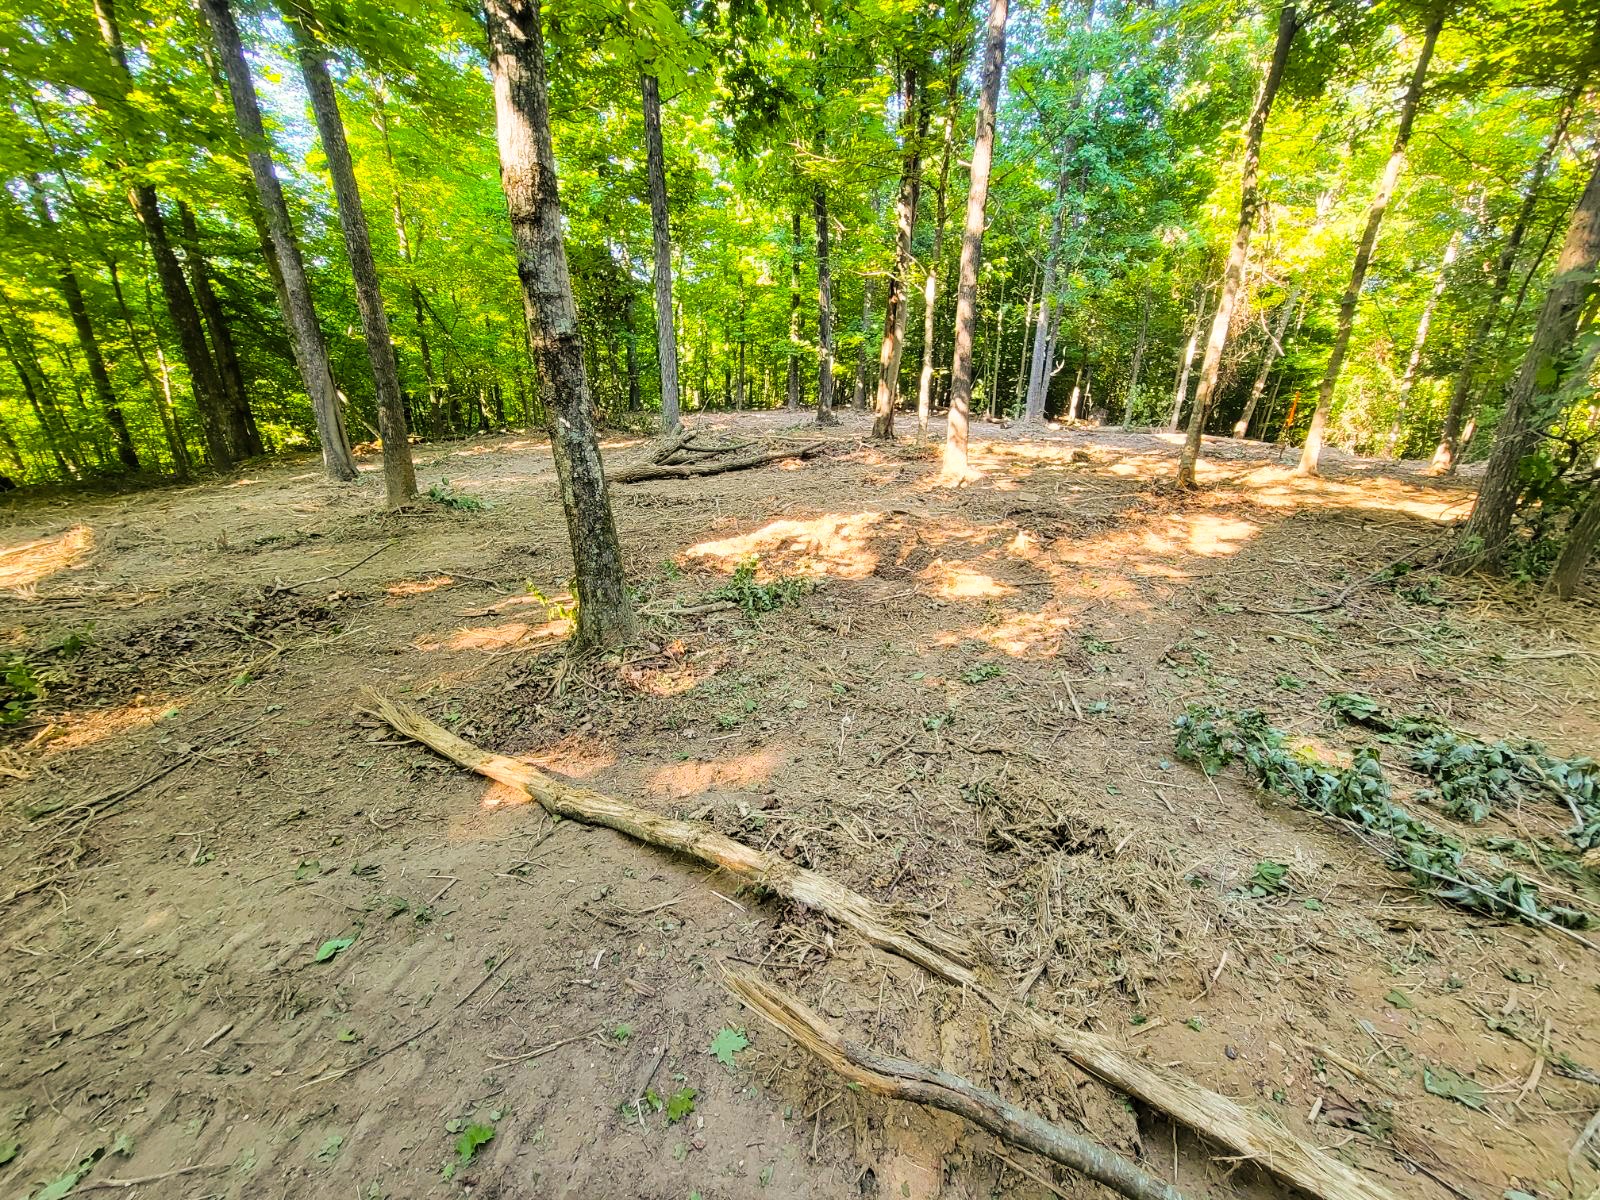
(1138, 361)
(661, 239)
(1542, 375)
(930, 283)
(1311, 453)
(897, 306)
(43, 410)
(1419, 343)
(1020, 398)
(1180, 389)
(792, 390)
(528, 177)
(1233, 273)
(1449, 448)
(858, 396)
(956, 467)
(1268, 356)
(170, 425)
(244, 439)
(72, 293)
(300, 314)
(1578, 550)
(1038, 372)
(819, 207)
(399, 474)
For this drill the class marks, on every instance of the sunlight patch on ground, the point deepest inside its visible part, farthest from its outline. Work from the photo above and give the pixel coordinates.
(691, 778)
(1018, 634)
(954, 581)
(26, 564)
(75, 731)
(833, 544)
(508, 636)
(416, 587)
(1280, 487)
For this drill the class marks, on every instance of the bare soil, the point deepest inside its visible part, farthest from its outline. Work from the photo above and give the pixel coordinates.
(968, 712)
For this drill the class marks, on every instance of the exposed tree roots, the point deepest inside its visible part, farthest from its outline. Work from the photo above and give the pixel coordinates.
(1223, 1121)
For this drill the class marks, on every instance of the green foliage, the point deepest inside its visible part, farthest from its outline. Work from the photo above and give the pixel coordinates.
(332, 948)
(445, 496)
(755, 597)
(1359, 795)
(1267, 878)
(472, 1137)
(982, 672)
(726, 1044)
(680, 1104)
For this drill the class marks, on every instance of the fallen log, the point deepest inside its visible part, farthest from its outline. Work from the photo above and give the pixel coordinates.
(639, 472)
(902, 1079)
(1248, 1134)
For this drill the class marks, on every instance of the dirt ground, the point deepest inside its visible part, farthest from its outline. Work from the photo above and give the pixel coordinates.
(969, 714)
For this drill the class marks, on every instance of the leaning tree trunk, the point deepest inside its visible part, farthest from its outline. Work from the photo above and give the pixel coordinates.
(1019, 397)
(399, 475)
(243, 435)
(956, 468)
(819, 205)
(1578, 550)
(1419, 343)
(913, 130)
(169, 419)
(300, 314)
(1038, 379)
(42, 411)
(1138, 361)
(1449, 448)
(1268, 356)
(1544, 368)
(1180, 389)
(661, 240)
(792, 390)
(1233, 274)
(78, 310)
(528, 177)
(1311, 453)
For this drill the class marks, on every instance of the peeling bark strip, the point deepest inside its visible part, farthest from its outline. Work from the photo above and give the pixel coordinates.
(947, 958)
(902, 1079)
(311, 352)
(528, 178)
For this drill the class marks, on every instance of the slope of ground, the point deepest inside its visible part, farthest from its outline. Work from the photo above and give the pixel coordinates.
(965, 709)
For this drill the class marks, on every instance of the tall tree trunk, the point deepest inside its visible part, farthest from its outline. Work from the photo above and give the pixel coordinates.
(1038, 378)
(1311, 453)
(1020, 398)
(1418, 343)
(399, 474)
(1180, 389)
(994, 356)
(170, 424)
(72, 293)
(243, 437)
(792, 391)
(1578, 550)
(956, 467)
(300, 314)
(1233, 273)
(1138, 361)
(858, 396)
(661, 238)
(819, 206)
(930, 283)
(630, 348)
(913, 131)
(1543, 372)
(36, 390)
(1449, 448)
(408, 250)
(528, 177)
(1268, 356)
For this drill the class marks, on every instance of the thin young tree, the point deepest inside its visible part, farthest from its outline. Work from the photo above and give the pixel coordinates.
(1138, 360)
(399, 475)
(956, 468)
(930, 283)
(819, 210)
(1233, 273)
(1311, 452)
(661, 243)
(1419, 343)
(243, 434)
(300, 315)
(1180, 387)
(528, 178)
(913, 131)
(1541, 378)
(796, 239)
(1038, 381)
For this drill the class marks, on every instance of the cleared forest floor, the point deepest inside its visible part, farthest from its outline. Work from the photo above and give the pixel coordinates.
(971, 713)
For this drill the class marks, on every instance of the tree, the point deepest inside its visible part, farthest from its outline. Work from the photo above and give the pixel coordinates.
(956, 467)
(661, 241)
(819, 209)
(913, 131)
(792, 384)
(1311, 452)
(1233, 273)
(930, 282)
(300, 314)
(1546, 367)
(399, 476)
(1419, 342)
(528, 177)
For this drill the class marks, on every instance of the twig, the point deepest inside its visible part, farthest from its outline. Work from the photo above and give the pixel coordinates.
(141, 1180)
(545, 1049)
(278, 588)
(343, 1071)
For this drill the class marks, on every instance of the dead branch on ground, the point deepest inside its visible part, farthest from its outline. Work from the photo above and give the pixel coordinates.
(710, 465)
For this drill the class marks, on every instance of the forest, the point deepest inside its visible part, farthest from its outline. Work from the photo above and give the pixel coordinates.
(708, 601)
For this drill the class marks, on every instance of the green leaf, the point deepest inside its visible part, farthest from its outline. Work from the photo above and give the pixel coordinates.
(680, 1104)
(62, 1184)
(331, 948)
(726, 1044)
(622, 1032)
(1442, 1081)
(1398, 999)
(330, 1148)
(471, 1138)
(8, 1151)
